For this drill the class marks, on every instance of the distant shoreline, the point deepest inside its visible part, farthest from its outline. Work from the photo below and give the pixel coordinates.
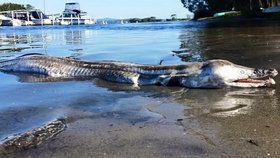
(239, 16)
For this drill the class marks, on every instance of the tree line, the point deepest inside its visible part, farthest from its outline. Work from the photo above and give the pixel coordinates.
(208, 7)
(14, 6)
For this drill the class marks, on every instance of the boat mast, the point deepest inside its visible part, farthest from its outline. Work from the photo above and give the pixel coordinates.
(44, 6)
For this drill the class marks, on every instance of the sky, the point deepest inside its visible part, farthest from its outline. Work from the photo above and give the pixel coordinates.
(120, 9)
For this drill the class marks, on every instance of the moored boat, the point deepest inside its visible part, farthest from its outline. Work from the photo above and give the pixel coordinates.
(39, 18)
(24, 18)
(73, 15)
(6, 21)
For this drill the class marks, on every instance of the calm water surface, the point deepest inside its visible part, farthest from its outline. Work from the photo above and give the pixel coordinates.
(224, 116)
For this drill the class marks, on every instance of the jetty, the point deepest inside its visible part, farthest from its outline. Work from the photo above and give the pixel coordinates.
(72, 15)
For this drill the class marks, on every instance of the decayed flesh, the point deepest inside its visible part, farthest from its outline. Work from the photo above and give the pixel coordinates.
(137, 73)
(269, 80)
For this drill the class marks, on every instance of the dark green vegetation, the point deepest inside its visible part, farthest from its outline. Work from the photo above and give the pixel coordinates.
(174, 17)
(204, 8)
(154, 19)
(14, 6)
(149, 19)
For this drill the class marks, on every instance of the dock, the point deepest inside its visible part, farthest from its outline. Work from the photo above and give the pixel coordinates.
(72, 15)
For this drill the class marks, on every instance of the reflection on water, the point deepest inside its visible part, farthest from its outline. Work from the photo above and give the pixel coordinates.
(42, 41)
(16, 43)
(220, 102)
(244, 45)
(72, 100)
(225, 103)
(73, 37)
(240, 102)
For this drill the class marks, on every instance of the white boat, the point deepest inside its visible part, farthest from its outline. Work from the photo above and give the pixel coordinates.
(72, 15)
(7, 21)
(27, 17)
(65, 22)
(16, 22)
(27, 23)
(39, 18)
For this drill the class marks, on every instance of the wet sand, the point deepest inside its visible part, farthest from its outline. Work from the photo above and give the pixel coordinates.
(168, 127)
(109, 135)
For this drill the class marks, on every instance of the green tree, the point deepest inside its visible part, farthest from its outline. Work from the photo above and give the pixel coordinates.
(11, 6)
(200, 8)
(214, 6)
(203, 8)
(174, 17)
(29, 7)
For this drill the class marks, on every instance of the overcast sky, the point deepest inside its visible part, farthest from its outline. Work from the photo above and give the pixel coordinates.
(114, 8)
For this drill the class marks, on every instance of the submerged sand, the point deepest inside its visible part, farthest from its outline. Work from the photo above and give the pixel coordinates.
(229, 123)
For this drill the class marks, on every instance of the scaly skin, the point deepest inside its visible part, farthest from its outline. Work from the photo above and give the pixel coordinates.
(209, 74)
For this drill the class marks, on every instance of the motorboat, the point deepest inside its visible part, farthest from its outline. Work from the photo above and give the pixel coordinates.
(73, 15)
(7, 21)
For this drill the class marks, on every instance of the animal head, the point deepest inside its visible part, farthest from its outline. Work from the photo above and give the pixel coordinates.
(221, 73)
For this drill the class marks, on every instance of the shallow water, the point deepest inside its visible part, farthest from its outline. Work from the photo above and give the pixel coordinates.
(224, 119)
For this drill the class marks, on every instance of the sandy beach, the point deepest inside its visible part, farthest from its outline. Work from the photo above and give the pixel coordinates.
(168, 127)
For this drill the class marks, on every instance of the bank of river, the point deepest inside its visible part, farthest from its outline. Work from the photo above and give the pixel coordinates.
(114, 120)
